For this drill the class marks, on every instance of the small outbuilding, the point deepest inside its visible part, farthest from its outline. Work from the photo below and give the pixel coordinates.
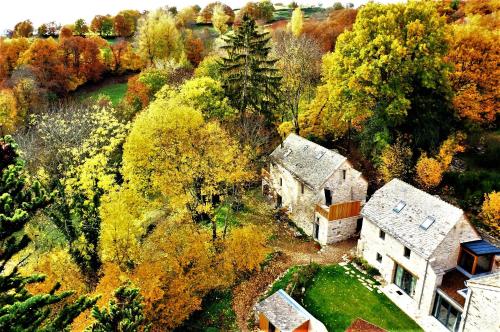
(279, 312)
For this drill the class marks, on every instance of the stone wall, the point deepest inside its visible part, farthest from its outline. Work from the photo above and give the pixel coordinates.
(483, 312)
(392, 252)
(300, 200)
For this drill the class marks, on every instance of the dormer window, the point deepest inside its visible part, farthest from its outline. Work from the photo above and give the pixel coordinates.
(427, 222)
(400, 206)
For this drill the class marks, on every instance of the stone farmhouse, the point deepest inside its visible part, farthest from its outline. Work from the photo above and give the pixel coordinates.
(435, 265)
(321, 191)
(280, 313)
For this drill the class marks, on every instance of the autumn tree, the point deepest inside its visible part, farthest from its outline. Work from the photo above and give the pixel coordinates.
(44, 57)
(326, 32)
(200, 163)
(430, 170)
(205, 15)
(21, 310)
(102, 25)
(220, 19)
(297, 22)
(8, 112)
(490, 211)
(204, 94)
(80, 28)
(186, 17)
(258, 11)
(23, 29)
(475, 54)
(249, 75)
(65, 32)
(11, 51)
(123, 57)
(210, 66)
(82, 59)
(158, 38)
(388, 75)
(194, 48)
(299, 66)
(42, 30)
(396, 161)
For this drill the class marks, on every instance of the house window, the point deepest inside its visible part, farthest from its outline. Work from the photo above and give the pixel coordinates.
(344, 173)
(405, 280)
(381, 234)
(446, 313)
(281, 182)
(407, 252)
(379, 258)
(302, 188)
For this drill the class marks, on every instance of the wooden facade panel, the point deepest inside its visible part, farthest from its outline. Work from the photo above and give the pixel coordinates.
(340, 211)
(263, 323)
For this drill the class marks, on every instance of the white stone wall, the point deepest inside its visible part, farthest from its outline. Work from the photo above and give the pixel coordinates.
(446, 254)
(392, 252)
(483, 313)
(301, 206)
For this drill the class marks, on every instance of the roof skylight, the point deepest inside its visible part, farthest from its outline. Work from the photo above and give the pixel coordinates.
(427, 222)
(287, 153)
(400, 206)
(320, 154)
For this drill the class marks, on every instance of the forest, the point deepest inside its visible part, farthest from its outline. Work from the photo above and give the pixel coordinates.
(130, 145)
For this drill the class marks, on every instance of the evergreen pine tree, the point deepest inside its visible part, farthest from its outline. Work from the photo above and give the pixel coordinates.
(124, 313)
(249, 77)
(20, 199)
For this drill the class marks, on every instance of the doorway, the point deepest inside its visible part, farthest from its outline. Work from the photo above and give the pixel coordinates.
(279, 201)
(316, 229)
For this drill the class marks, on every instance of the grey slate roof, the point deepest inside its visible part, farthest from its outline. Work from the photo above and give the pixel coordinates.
(492, 280)
(283, 311)
(299, 156)
(406, 225)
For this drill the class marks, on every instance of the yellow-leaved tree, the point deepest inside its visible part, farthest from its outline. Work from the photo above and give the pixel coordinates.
(490, 211)
(430, 170)
(297, 22)
(8, 112)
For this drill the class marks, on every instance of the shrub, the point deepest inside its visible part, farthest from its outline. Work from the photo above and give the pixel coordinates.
(372, 271)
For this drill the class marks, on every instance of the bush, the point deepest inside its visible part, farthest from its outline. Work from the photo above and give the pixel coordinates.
(470, 186)
(302, 279)
(372, 271)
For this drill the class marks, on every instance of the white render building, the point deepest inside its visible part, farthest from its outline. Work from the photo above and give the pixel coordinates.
(319, 188)
(428, 254)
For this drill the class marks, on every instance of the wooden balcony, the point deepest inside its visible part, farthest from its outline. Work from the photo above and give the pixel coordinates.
(340, 210)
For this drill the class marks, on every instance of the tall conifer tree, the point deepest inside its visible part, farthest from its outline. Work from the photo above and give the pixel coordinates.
(249, 76)
(20, 199)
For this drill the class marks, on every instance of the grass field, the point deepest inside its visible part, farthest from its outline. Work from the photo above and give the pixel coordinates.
(115, 92)
(337, 299)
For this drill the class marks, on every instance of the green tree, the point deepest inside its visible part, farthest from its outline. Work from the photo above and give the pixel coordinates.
(248, 73)
(389, 76)
(124, 313)
(21, 198)
(80, 27)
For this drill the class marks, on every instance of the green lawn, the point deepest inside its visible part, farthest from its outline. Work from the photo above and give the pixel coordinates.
(115, 92)
(337, 299)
